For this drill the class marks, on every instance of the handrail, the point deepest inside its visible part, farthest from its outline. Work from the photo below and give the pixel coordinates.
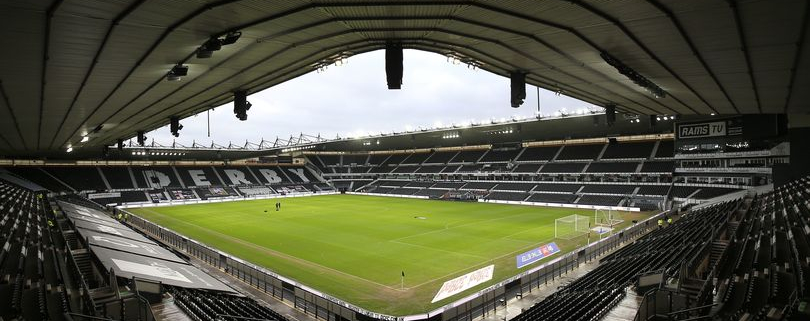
(69, 314)
(150, 316)
(223, 316)
(700, 317)
(642, 304)
(90, 303)
(693, 309)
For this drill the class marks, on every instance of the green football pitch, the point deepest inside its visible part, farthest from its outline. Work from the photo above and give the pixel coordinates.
(356, 247)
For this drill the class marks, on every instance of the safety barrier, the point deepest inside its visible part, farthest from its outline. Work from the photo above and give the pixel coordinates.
(323, 306)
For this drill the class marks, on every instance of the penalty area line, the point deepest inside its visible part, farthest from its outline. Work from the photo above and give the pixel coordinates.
(275, 253)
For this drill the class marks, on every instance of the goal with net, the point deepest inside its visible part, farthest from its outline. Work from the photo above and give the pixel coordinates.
(571, 226)
(608, 218)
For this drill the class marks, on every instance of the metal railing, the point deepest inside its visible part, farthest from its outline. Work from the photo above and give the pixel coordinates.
(676, 315)
(221, 317)
(73, 316)
(530, 279)
(84, 290)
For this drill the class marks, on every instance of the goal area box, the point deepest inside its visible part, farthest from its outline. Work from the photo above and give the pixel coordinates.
(607, 217)
(571, 226)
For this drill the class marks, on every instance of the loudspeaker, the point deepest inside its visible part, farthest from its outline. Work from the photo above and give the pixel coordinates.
(120, 144)
(393, 65)
(518, 88)
(240, 104)
(141, 138)
(174, 125)
(653, 121)
(612, 141)
(610, 114)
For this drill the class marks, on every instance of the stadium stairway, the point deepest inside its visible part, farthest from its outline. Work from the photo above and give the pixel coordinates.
(755, 269)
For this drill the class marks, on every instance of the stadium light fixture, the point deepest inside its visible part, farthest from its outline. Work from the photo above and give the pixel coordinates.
(85, 139)
(231, 38)
(633, 75)
(178, 72)
(208, 48)
(451, 135)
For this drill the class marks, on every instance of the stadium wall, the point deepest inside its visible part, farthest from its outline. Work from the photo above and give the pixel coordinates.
(592, 207)
(219, 200)
(388, 195)
(323, 306)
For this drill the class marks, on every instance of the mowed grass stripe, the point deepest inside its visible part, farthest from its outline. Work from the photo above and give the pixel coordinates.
(264, 250)
(355, 247)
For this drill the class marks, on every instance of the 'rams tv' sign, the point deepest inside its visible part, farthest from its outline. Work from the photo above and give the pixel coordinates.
(701, 130)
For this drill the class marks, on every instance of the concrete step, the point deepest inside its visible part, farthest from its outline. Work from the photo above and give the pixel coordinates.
(168, 311)
(627, 307)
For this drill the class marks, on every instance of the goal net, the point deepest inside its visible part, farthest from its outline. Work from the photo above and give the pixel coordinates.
(607, 217)
(571, 226)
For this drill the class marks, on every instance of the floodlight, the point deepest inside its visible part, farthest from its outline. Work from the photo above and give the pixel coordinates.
(177, 72)
(208, 48)
(231, 38)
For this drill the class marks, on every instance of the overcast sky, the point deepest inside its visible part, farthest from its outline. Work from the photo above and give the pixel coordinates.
(353, 100)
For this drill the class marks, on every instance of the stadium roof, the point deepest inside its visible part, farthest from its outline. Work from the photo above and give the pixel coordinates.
(95, 67)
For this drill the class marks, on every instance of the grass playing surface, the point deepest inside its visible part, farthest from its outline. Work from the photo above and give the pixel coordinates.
(355, 247)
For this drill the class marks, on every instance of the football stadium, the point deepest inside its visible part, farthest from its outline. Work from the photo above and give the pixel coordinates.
(636, 160)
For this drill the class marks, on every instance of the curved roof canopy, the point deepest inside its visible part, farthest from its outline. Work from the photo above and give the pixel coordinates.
(98, 67)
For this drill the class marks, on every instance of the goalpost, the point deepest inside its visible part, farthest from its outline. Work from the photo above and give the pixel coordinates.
(609, 218)
(571, 226)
